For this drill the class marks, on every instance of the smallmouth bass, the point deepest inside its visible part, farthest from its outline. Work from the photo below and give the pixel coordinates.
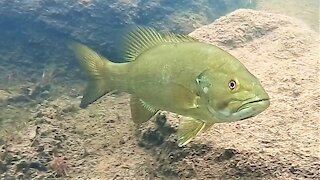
(175, 73)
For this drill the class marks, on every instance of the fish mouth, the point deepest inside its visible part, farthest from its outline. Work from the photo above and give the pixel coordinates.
(254, 107)
(246, 118)
(245, 111)
(255, 102)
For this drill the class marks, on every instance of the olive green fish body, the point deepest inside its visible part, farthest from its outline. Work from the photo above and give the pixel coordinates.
(164, 71)
(178, 74)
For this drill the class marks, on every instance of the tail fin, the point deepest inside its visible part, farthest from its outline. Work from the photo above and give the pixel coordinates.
(96, 68)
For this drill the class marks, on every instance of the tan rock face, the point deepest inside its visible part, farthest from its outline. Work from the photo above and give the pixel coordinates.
(4, 95)
(284, 54)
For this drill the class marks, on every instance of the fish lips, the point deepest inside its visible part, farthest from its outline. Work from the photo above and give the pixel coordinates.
(245, 111)
(254, 107)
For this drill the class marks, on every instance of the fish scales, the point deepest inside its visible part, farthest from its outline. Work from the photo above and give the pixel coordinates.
(175, 73)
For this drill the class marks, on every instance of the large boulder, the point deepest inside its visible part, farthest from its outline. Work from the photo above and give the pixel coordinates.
(284, 54)
(46, 25)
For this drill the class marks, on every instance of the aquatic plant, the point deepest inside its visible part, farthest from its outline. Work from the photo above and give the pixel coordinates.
(59, 166)
(45, 83)
(38, 91)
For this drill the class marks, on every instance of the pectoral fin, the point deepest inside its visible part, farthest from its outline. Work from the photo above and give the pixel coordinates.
(140, 111)
(188, 129)
(183, 97)
(207, 127)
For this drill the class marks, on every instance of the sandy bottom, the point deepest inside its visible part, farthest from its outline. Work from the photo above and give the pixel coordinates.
(100, 142)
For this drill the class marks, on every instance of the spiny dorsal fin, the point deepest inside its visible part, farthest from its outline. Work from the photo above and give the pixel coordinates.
(144, 38)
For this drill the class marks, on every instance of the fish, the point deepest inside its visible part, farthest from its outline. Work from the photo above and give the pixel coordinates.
(175, 73)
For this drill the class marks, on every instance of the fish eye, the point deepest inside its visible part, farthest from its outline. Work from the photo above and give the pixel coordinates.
(232, 84)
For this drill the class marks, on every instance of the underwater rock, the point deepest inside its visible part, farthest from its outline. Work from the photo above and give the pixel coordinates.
(22, 165)
(4, 95)
(47, 24)
(282, 52)
(3, 167)
(38, 165)
(156, 136)
(226, 154)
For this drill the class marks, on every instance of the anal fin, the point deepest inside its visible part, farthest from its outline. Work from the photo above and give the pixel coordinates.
(189, 128)
(140, 111)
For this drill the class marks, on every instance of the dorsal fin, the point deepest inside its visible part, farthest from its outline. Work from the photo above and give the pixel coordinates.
(143, 38)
